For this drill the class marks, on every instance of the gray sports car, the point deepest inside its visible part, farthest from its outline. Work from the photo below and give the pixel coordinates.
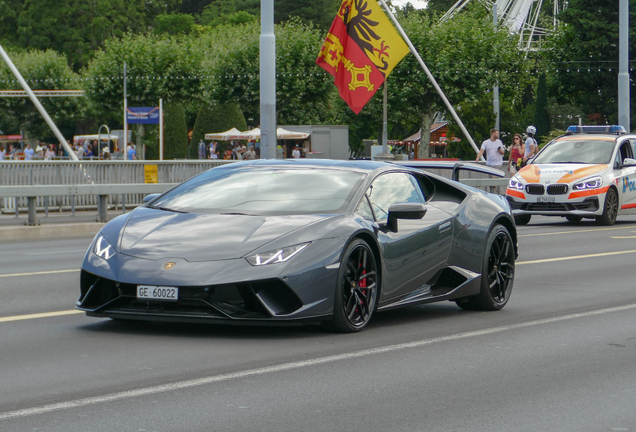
(309, 241)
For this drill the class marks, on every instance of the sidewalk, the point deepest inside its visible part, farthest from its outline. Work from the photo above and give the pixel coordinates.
(55, 226)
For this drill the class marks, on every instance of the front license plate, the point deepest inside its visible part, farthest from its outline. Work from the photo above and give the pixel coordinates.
(545, 199)
(157, 292)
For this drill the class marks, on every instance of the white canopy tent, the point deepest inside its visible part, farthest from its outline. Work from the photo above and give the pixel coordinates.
(228, 135)
(103, 137)
(284, 134)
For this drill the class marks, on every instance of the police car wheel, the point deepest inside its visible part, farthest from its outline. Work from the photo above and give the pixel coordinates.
(610, 209)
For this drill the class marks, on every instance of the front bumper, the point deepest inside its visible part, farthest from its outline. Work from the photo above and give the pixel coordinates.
(588, 204)
(229, 290)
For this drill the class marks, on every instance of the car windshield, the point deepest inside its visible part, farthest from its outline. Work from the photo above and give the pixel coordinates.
(270, 191)
(587, 151)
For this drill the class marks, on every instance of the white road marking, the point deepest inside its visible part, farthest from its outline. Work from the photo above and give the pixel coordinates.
(38, 273)
(577, 231)
(39, 315)
(78, 403)
(56, 252)
(547, 260)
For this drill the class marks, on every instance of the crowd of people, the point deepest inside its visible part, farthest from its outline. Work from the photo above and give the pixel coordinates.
(83, 150)
(520, 151)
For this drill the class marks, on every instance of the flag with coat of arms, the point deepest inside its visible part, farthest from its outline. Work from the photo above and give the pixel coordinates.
(360, 51)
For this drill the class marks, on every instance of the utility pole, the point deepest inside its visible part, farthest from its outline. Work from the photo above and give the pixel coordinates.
(268, 80)
(125, 116)
(495, 90)
(623, 65)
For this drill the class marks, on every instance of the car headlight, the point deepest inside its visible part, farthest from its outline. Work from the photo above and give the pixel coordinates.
(592, 183)
(275, 256)
(515, 184)
(102, 248)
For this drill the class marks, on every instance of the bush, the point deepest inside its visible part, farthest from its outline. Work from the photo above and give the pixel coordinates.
(175, 132)
(218, 118)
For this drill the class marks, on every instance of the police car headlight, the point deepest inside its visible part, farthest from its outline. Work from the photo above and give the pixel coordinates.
(515, 184)
(103, 249)
(592, 183)
(276, 256)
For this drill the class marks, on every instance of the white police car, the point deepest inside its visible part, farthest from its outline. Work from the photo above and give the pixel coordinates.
(590, 172)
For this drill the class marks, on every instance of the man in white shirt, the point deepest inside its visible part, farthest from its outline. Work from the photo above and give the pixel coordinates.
(28, 152)
(531, 148)
(296, 152)
(494, 149)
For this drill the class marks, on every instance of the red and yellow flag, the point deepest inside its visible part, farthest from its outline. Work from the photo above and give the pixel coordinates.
(360, 51)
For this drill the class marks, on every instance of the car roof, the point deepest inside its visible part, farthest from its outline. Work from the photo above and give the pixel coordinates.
(351, 165)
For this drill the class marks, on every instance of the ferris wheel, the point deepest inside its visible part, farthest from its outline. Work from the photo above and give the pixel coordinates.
(521, 17)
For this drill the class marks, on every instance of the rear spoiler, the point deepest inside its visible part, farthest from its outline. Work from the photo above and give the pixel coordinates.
(455, 166)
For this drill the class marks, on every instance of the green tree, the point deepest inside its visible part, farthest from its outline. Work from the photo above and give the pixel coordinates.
(303, 90)
(43, 70)
(584, 56)
(9, 12)
(78, 28)
(541, 117)
(465, 55)
(157, 67)
(218, 118)
(174, 24)
(175, 132)
(440, 6)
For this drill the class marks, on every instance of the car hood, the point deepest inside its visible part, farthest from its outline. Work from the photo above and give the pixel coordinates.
(155, 234)
(560, 173)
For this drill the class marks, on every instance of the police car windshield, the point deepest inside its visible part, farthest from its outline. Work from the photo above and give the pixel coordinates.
(587, 151)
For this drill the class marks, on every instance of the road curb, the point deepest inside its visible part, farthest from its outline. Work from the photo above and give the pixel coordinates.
(49, 231)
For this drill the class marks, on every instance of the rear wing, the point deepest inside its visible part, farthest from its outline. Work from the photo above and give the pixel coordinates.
(456, 167)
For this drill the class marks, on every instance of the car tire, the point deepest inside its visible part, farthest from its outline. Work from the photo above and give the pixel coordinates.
(610, 208)
(357, 289)
(498, 273)
(522, 219)
(574, 219)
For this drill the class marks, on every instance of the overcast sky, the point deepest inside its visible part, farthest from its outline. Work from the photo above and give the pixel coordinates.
(419, 4)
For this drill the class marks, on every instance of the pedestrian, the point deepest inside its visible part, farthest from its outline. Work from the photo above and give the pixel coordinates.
(296, 152)
(11, 153)
(28, 152)
(514, 161)
(132, 152)
(236, 152)
(2, 152)
(50, 153)
(494, 149)
(250, 154)
(531, 147)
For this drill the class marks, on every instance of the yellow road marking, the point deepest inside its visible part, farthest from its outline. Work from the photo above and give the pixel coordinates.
(620, 237)
(38, 273)
(39, 315)
(577, 231)
(575, 257)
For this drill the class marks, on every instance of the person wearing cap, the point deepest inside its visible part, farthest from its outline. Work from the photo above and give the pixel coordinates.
(531, 146)
(296, 152)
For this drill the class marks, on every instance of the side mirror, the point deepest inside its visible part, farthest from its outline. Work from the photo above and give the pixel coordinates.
(404, 211)
(629, 162)
(150, 197)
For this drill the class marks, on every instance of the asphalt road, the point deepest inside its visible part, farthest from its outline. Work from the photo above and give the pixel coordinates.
(559, 357)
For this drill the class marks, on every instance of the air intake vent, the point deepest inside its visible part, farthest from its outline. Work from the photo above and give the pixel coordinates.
(535, 189)
(557, 189)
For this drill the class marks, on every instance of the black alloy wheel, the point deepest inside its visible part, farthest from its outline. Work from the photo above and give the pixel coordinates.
(357, 289)
(610, 210)
(498, 273)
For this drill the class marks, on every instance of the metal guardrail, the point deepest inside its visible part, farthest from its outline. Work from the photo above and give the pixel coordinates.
(41, 172)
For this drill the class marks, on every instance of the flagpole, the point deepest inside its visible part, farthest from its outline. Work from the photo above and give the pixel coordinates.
(430, 76)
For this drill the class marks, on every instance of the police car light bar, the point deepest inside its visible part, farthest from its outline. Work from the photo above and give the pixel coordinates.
(595, 129)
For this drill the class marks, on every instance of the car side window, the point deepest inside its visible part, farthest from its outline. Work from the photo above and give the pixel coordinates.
(364, 209)
(389, 189)
(623, 153)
